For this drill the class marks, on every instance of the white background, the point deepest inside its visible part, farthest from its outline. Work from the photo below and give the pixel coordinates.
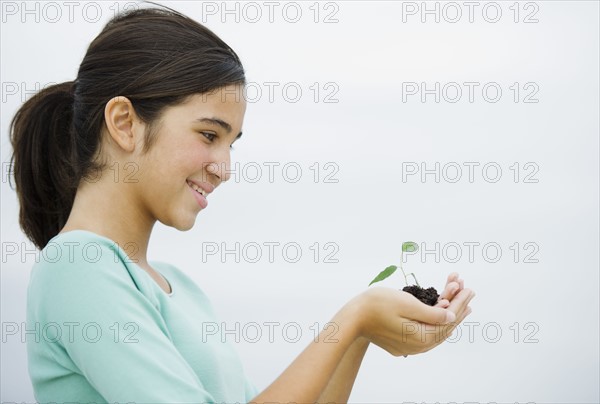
(546, 311)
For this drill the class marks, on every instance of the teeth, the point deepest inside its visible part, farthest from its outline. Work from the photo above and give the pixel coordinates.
(197, 189)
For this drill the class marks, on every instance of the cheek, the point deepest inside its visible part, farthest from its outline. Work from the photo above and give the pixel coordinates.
(176, 160)
(192, 159)
(187, 162)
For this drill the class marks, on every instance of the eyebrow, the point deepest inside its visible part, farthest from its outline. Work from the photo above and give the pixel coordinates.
(218, 122)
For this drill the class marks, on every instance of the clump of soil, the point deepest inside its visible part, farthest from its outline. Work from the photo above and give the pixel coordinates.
(428, 296)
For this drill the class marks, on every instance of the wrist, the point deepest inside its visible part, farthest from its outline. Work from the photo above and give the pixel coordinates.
(362, 342)
(349, 322)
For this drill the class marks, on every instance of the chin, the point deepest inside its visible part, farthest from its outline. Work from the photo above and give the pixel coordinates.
(187, 225)
(181, 224)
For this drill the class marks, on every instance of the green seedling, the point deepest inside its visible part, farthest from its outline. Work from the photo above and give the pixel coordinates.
(428, 296)
(408, 246)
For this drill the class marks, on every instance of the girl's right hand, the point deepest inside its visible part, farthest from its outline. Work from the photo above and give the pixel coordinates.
(401, 324)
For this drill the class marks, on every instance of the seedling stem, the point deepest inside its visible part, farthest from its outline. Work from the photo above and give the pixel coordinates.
(408, 246)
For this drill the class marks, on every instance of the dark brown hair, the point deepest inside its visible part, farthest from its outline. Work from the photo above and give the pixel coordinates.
(156, 57)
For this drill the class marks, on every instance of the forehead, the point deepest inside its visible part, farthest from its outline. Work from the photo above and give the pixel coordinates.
(226, 100)
(226, 104)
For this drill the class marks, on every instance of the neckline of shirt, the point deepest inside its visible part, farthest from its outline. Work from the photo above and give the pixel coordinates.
(124, 254)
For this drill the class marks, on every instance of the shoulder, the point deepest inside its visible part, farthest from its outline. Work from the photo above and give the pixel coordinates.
(78, 267)
(77, 251)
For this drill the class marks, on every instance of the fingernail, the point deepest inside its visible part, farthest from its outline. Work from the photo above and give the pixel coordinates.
(450, 316)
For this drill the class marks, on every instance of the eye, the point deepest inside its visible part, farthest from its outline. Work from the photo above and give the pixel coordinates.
(209, 136)
(212, 136)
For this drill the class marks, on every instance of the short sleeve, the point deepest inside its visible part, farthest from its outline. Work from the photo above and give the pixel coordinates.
(116, 337)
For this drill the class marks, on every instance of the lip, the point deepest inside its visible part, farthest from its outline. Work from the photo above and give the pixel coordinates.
(205, 186)
(200, 199)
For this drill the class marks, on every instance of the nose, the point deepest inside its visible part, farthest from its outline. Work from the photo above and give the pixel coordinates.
(219, 167)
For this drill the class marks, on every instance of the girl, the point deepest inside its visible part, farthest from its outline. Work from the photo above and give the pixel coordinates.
(159, 96)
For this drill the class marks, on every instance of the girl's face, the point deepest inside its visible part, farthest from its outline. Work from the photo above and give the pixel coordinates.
(192, 144)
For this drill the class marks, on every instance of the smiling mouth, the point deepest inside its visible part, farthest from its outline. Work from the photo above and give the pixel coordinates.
(197, 188)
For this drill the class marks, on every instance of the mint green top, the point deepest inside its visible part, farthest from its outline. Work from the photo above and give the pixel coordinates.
(100, 329)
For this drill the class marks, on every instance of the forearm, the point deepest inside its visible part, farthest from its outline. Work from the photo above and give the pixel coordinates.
(340, 386)
(304, 380)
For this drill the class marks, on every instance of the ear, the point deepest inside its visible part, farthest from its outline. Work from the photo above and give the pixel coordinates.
(122, 122)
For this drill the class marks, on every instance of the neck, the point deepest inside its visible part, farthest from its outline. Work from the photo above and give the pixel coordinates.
(105, 209)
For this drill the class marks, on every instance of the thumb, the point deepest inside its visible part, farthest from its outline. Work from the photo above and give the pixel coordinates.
(424, 313)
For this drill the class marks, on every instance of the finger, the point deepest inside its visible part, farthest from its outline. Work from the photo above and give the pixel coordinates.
(449, 328)
(461, 284)
(419, 311)
(463, 315)
(443, 303)
(453, 277)
(450, 290)
(461, 301)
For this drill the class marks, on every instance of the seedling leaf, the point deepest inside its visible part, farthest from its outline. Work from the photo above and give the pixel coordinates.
(410, 246)
(384, 274)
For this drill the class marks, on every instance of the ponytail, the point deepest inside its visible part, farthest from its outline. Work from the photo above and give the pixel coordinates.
(43, 169)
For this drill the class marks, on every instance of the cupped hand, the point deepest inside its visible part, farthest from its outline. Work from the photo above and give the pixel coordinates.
(401, 324)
